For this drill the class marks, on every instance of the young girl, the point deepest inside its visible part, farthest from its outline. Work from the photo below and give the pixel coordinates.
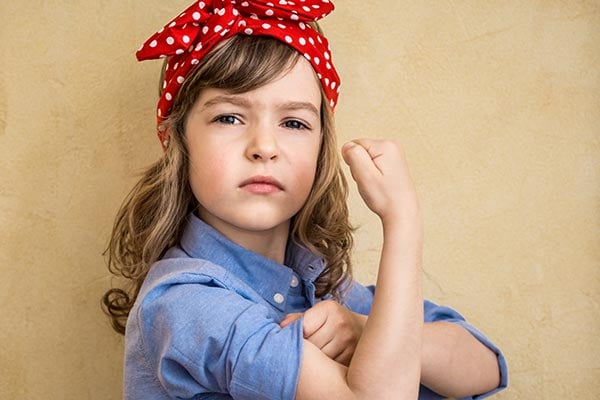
(236, 242)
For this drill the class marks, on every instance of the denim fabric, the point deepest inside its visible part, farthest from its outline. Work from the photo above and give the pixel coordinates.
(205, 323)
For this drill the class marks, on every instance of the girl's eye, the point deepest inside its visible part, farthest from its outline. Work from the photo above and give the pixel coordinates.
(227, 119)
(294, 124)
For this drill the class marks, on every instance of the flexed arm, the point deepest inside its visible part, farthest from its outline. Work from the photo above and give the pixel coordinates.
(387, 360)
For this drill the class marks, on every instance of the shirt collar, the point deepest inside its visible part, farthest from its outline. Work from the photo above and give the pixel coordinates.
(265, 276)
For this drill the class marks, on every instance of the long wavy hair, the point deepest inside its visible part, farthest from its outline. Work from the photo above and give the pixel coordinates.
(153, 215)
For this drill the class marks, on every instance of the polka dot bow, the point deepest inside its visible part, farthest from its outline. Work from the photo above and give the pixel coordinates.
(192, 34)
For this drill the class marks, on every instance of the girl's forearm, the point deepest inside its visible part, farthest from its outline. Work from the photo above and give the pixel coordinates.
(455, 363)
(387, 360)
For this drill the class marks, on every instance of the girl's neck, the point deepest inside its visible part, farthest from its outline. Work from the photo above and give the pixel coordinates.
(270, 243)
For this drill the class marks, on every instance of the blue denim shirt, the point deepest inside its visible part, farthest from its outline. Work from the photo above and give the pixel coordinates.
(205, 324)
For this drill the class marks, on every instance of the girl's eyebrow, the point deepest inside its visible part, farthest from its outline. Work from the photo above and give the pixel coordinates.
(235, 100)
(243, 102)
(300, 105)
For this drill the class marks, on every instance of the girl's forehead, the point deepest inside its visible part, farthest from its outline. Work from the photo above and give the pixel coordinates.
(297, 87)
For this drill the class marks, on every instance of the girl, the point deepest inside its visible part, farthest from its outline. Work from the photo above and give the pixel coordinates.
(236, 243)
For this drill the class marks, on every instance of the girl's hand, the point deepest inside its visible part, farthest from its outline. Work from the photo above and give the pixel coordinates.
(381, 174)
(332, 328)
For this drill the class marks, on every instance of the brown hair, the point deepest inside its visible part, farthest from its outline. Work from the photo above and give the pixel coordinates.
(153, 215)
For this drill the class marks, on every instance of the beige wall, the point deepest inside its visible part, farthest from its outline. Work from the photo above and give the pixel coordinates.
(497, 105)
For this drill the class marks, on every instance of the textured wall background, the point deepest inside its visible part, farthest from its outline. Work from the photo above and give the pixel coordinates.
(498, 107)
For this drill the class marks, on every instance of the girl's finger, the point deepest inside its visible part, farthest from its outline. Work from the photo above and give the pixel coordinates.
(321, 338)
(360, 162)
(289, 319)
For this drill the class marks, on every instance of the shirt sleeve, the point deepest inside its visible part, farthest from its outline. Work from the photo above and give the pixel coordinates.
(359, 299)
(435, 313)
(207, 339)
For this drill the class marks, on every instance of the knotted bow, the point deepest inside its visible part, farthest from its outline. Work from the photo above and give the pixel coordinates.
(192, 34)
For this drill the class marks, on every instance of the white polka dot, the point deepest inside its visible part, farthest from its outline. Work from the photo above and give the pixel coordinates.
(198, 47)
(168, 96)
(316, 6)
(288, 39)
(319, 76)
(283, 2)
(205, 30)
(196, 15)
(162, 56)
(224, 32)
(316, 60)
(242, 23)
(331, 103)
(269, 13)
(179, 51)
(332, 85)
(302, 41)
(294, 17)
(248, 31)
(305, 8)
(319, 39)
(266, 26)
(245, 4)
(235, 12)
(153, 43)
(326, 54)
(159, 113)
(222, 11)
(282, 26)
(186, 39)
(175, 66)
(307, 56)
(180, 79)
(170, 40)
(328, 65)
(201, 5)
(326, 81)
(302, 25)
(311, 41)
(172, 24)
(164, 84)
(195, 61)
(253, 16)
(218, 28)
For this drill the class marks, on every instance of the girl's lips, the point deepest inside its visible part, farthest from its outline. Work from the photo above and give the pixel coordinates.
(262, 185)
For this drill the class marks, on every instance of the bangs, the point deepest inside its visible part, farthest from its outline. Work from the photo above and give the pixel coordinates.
(239, 64)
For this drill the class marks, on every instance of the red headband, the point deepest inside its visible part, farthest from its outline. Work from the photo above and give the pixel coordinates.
(192, 34)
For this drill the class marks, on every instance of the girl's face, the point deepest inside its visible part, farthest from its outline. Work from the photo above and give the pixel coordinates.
(253, 156)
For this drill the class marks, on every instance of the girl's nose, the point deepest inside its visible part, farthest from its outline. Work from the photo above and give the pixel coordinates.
(262, 145)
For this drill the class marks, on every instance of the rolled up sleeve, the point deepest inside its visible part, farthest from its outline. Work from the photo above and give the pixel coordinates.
(435, 313)
(203, 339)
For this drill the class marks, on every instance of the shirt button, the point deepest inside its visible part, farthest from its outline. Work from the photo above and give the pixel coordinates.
(294, 282)
(278, 298)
